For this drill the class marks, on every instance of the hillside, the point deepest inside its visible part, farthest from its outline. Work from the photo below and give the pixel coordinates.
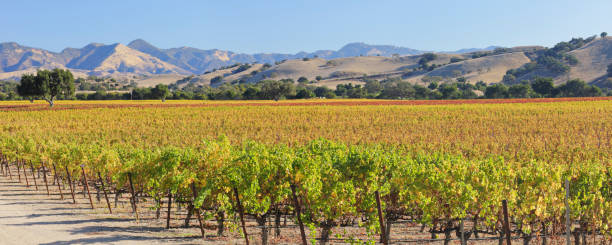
(488, 68)
(591, 57)
(14, 57)
(594, 59)
(108, 59)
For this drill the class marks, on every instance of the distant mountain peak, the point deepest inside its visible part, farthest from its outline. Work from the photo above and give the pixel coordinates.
(9, 44)
(364, 49)
(140, 43)
(471, 50)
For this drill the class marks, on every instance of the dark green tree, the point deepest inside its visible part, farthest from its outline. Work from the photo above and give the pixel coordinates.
(357, 92)
(508, 79)
(28, 87)
(304, 93)
(141, 94)
(251, 93)
(398, 90)
(302, 80)
(48, 85)
(449, 91)
(275, 90)
(578, 88)
(373, 87)
(520, 91)
(160, 91)
(421, 92)
(342, 89)
(496, 91)
(468, 94)
(543, 86)
(603, 34)
(216, 80)
(425, 59)
(324, 92)
(480, 85)
(433, 85)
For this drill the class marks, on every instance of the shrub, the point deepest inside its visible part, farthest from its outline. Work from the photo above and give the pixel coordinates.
(216, 79)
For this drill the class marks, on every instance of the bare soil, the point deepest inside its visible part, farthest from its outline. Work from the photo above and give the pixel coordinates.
(28, 216)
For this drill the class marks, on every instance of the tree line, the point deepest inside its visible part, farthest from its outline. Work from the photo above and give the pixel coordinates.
(59, 84)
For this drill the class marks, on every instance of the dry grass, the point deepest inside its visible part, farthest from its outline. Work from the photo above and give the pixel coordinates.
(594, 59)
(151, 81)
(489, 68)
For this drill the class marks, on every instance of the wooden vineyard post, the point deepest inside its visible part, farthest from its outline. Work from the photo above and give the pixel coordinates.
(45, 178)
(568, 222)
(86, 186)
(133, 196)
(2, 164)
(104, 191)
(8, 168)
(59, 187)
(197, 210)
(33, 175)
(70, 184)
(25, 174)
(241, 212)
(506, 222)
(18, 171)
(381, 219)
(298, 212)
(461, 230)
(169, 209)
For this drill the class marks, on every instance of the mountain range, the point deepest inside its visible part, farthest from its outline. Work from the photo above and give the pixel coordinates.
(147, 65)
(142, 58)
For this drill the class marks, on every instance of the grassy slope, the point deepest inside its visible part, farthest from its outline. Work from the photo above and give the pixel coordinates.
(594, 59)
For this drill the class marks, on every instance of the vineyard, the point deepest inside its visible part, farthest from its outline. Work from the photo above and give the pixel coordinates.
(340, 171)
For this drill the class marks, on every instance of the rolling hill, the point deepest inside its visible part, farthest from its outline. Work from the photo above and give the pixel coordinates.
(594, 59)
(147, 65)
(489, 68)
(142, 58)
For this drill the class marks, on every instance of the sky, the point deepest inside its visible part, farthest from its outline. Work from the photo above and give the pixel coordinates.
(290, 26)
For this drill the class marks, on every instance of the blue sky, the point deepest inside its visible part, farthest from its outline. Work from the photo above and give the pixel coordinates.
(290, 26)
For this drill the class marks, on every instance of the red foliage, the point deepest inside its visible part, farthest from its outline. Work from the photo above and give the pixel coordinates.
(36, 107)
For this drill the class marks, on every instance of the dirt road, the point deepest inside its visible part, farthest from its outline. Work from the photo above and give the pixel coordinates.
(31, 217)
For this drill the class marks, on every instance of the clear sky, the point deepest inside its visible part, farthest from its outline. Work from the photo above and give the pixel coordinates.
(290, 26)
